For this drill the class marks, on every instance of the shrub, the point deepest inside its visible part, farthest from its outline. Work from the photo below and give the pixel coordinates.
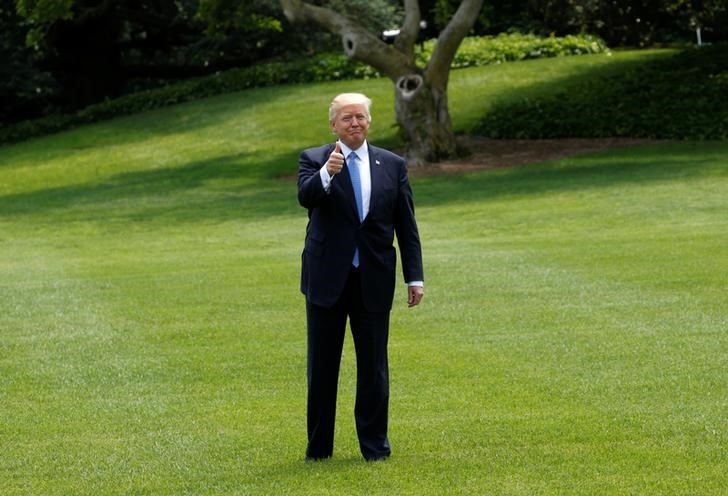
(477, 51)
(679, 97)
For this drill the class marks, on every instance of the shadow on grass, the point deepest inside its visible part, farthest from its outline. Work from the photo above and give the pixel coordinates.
(630, 166)
(223, 188)
(533, 80)
(241, 187)
(661, 94)
(338, 464)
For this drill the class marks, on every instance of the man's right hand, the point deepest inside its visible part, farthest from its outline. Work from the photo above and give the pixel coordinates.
(335, 162)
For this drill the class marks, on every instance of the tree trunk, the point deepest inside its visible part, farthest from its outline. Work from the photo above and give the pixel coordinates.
(420, 94)
(424, 120)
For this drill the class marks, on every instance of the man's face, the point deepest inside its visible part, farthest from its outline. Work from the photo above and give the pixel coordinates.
(351, 125)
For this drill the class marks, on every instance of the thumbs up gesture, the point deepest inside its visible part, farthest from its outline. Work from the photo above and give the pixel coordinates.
(335, 162)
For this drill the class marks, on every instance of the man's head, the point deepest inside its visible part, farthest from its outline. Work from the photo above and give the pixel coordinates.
(349, 117)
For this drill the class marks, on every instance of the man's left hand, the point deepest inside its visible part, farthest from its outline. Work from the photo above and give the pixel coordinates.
(414, 295)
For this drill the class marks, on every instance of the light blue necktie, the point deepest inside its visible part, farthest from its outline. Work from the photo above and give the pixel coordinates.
(356, 183)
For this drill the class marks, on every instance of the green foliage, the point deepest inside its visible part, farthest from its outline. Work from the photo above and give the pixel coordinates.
(259, 16)
(681, 97)
(41, 13)
(619, 22)
(225, 16)
(477, 51)
(374, 15)
(442, 12)
(97, 50)
(24, 87)
(326, 67)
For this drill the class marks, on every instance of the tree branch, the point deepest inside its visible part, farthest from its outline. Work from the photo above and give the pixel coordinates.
(405, 41)
(359, 44)
(438, 69)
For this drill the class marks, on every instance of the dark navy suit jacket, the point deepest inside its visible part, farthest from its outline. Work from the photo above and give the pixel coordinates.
(334, 230)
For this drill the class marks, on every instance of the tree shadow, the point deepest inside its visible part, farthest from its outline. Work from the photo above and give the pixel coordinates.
(228, 187)
(237, 186)
(655, 95)
(560, 76)
(591, 172)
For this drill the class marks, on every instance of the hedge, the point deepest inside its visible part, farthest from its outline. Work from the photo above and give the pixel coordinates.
(683, 96)
(477, 51)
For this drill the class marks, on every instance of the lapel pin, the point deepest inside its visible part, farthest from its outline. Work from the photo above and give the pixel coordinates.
(376, 162)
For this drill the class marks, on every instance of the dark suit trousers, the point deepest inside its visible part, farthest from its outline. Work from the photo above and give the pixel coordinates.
(326, 330)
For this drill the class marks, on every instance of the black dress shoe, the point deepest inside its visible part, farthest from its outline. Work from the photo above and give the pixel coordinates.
(316, 458)
(377, 458)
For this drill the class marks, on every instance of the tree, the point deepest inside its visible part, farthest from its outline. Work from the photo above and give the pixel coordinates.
(24, 88)
(420, 93)
(97, 49)
(711, 16)
(630, 22)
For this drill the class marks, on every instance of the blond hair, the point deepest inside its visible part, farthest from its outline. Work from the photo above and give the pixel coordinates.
(344, 99)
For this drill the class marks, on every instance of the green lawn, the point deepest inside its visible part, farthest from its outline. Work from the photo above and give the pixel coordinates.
(572, 339)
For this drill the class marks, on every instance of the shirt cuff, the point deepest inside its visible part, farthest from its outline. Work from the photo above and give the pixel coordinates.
(325, 179)
(421, 284)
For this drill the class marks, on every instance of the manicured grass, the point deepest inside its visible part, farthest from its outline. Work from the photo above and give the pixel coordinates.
(152, 336)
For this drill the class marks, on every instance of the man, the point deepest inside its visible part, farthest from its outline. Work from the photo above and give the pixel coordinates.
(357, 196)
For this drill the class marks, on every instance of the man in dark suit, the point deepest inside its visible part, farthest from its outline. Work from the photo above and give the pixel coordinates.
(358, 196)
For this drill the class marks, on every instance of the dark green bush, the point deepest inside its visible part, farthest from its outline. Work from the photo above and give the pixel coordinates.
(477, 51)
(684, 96)
(325, 67)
